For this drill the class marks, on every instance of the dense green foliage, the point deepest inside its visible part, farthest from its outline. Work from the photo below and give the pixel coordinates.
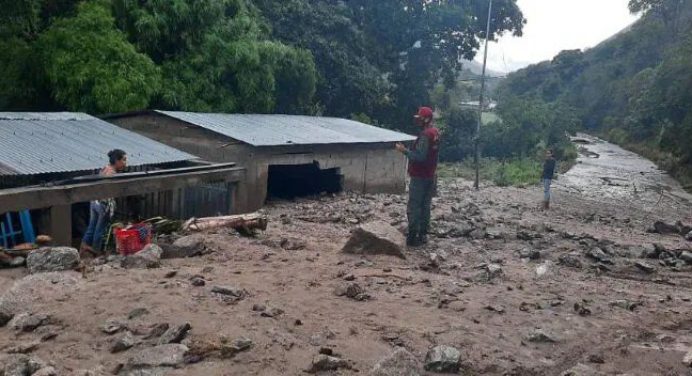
(635, 88)
(375, 60)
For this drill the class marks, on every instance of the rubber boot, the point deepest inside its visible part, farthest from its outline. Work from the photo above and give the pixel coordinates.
(412, 240)
(546, 205)
(423, 239)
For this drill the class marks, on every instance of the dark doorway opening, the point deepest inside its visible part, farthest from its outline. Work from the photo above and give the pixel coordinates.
(292, 181)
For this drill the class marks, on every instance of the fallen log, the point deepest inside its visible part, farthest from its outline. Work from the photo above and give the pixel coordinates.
(244, 222)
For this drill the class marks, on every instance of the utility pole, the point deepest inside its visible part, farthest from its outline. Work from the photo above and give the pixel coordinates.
(477, 139)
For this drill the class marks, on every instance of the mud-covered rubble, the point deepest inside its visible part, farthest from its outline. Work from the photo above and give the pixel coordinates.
(502, 289)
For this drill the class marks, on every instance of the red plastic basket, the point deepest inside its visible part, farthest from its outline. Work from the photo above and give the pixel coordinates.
(132, 239)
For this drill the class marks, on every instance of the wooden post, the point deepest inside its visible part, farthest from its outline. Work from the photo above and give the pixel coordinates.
(61, 224)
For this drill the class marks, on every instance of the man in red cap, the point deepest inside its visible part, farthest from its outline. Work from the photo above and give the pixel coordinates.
(422, 167)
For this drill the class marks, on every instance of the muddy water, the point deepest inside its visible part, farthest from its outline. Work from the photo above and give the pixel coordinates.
(606, 172)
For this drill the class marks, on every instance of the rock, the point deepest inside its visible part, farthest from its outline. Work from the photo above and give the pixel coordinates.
(596, 358)
(137, 312)
(147, 258)
(28, 322)
(229, 290)
(687, 359)
(187, 246)
(19, 365)
(540, 336)
(597, 254)
(353, 291)
(443, 359)
(56, 259)
(572, 260)
(686, 256)
(170, 274)
(688, 237)
(175, 334)
(292, 244)
(123, 343)
(665, 228)
(237, 346)
(489, 272)
(272, 312)
(531, 254)
(322, 363)
(461, 231)
(376, 238)
(259, 307)
(46, 371)
(197, 281)
(399, 363)
(645, 267)
(169, 355)
(625, 304)
(157, 330)
(581, 370)
(113, 326)
(478, 234)
(23, 348)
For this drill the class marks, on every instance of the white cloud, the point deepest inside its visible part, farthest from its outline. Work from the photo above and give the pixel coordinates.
(556, 25)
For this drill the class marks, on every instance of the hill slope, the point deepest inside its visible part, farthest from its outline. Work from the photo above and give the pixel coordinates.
(633, 88)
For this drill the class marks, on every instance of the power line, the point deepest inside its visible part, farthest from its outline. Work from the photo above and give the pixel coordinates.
(477, 154)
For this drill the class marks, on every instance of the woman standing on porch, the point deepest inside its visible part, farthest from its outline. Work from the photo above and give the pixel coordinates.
(101, 211)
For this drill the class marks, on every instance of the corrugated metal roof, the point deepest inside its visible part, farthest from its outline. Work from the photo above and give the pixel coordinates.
(39, 143)
(274, 130)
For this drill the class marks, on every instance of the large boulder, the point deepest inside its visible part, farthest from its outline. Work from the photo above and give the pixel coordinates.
(398, 363)
(443, 359)
(187, 246)
(149, 257)
(54, 259)
(30, 292)
(376, 238)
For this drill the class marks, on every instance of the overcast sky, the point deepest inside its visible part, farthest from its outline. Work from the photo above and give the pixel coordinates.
(556, 25)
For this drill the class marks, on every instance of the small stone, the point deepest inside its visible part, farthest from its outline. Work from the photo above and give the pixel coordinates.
(322, 363)
(175, 334)
(597, 254)
(596, 358)
(123, 343)
(272, 312)
(686, 256)
(157, 331)
(237, 346)
(197, 281)
(581, 370)
(170, 355)
(229, 290)
(171, 274)
(137, 312)
(112, 326)
(259, 307)
(625, 304)
(687, 359)
(531, 254)
(349, 277)
(582, 309)
(645, 267)
(28, 322)
(539, 336)
(399, 363)
(46, 371)
(443, 359)
(23, 348)
(572, 260)
(688, 237)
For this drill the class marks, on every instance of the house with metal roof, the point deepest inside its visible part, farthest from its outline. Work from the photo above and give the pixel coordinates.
(41, 147)
(285, 156)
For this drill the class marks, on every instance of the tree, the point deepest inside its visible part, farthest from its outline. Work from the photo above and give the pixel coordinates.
(90, 65)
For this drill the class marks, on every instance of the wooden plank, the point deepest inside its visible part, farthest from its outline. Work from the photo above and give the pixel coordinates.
(61, 224)
(41, 197)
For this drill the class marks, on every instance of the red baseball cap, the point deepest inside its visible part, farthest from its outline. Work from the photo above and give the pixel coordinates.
(424, 112)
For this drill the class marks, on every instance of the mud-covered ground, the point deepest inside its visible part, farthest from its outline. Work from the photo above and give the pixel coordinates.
(569, 274)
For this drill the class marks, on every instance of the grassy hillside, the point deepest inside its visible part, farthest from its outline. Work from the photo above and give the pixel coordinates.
(634, 89)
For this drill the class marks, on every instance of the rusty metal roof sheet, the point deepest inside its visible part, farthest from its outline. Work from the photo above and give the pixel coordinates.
(274, 130)
(40, 143)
